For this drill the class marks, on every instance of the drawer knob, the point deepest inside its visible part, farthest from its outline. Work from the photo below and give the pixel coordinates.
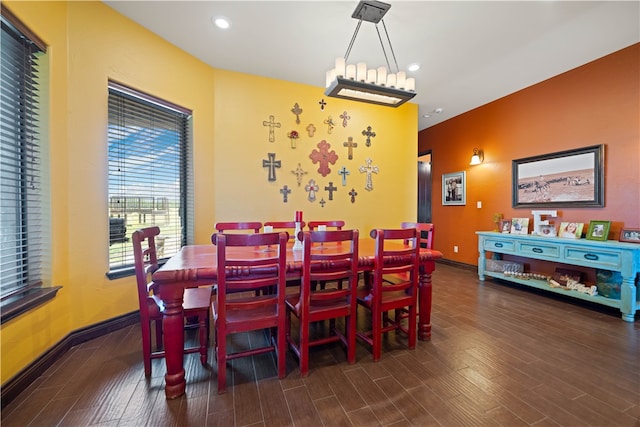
(537, 250)
(591, 257)
(498, 245)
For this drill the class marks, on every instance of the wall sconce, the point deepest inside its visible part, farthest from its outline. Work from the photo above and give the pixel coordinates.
(477, 158)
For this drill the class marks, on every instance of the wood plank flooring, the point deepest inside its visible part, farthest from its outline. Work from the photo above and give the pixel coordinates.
(499, 355)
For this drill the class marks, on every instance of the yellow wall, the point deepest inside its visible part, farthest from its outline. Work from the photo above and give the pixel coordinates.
(90, 43)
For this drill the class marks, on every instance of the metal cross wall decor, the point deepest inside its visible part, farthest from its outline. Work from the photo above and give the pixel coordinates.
(272, 164)
(369, 134)
(324, 157)
(272, 124)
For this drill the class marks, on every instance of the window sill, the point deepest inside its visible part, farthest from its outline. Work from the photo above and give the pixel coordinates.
(27, 301)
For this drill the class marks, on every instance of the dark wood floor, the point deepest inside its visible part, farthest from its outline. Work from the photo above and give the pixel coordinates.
(499, 356)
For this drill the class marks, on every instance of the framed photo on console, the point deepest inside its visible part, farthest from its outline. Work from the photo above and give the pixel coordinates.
(571, 230)
(598, 230)
(630, 235)
(505, 226)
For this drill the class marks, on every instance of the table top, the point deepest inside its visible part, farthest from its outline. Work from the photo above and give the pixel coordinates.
(198, 263)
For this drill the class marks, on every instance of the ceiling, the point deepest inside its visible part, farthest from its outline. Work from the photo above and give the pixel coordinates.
(471, 53)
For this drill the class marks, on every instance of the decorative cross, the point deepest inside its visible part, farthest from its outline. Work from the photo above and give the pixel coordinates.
(368, 169)
(285, 193)
(331, 188)
(344, 172)
(351, 146)
(311, 129)
(324, 157)
(330, 124)
(344, 116)
(272, 164)
(296, 110)
(272, 124)
(298, 173)
(353, 193)
(311, 188)
(322, 202)
(322, 104)
(369, 135)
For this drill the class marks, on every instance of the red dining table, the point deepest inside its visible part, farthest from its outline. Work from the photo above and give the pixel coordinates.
(195, 265)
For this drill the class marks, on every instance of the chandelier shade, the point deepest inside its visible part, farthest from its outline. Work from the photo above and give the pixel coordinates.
(357, 82)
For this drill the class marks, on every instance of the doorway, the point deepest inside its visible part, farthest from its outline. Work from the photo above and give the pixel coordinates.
(424, 187)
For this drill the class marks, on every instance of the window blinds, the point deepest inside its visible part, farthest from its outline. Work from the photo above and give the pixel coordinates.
(147, 172)
(21, 219)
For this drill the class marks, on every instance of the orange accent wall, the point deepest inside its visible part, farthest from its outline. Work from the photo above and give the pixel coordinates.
(597, 103)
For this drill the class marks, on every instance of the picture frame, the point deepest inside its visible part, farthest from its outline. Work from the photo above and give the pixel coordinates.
(570, 178)
(520, 226)
(454, 189)
(571, 230)
(598, 230)
(630, 235)
(505, 226)
(547, 230)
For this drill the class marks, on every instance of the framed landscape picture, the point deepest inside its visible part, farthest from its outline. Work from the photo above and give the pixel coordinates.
(454, 188)
(598, 230)
(572, 178)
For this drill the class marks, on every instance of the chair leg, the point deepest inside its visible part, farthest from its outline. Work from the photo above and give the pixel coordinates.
(413, 329)
(222, 361)
(376, 336)
(282, 352)
(146, 345)
(350, 334)
(304, 348)
(203, 332)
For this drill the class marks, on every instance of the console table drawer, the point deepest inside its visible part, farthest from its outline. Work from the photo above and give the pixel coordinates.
(499, 245)
(535, 250)
(607, 260)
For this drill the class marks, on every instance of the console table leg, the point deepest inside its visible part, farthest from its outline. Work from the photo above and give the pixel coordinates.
(628, 298)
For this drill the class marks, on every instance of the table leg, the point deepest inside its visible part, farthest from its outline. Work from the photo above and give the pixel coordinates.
(424, 301)
(173, 331)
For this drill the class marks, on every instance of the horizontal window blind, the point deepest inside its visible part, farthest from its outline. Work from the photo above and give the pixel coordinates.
(147, 172)
(21, 219)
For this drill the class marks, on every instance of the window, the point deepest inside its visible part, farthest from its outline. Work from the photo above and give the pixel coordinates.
(22, 225)
(148, 173)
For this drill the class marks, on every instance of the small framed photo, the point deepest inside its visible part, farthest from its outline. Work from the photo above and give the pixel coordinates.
(505, 226)
(631, 235)
(454, 189)
(571, 230)
(598, 230)
(520, 226)
(547, 230)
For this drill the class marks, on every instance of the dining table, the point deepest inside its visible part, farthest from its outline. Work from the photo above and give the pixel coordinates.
(195, 265)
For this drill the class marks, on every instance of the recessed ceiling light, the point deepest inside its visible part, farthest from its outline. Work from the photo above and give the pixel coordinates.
(221, 22)
(413, 67)
(426, 116)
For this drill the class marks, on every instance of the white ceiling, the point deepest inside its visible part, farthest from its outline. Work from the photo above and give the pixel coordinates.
(471, 52)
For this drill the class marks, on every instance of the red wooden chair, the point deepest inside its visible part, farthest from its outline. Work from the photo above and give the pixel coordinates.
(381, 296)
(235, 311)
(340, 250)
(223, 227)
(337, 224)
(426, 232)
(289, 226)
(196, 300)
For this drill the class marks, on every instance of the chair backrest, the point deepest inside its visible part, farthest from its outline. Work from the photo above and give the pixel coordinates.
(243, 225)
(406, 258)
(265, 257)
(338, 224)
(335, 248)
(290, 226)
(146, 262)
(426, 232)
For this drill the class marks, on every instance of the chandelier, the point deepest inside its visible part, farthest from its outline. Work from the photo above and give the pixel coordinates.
(373, 85)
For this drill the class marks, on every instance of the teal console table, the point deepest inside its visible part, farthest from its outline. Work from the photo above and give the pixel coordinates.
(609, 255)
